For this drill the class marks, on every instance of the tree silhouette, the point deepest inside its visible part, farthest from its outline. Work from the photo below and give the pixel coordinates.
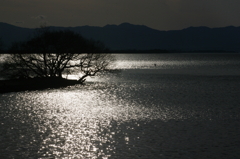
(52, 53)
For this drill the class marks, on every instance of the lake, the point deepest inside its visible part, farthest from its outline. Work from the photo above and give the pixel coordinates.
(154, 106)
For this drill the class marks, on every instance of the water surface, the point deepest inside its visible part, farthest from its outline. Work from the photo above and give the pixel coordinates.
(156, 106)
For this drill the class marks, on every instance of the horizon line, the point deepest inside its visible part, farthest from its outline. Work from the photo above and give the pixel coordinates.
(120, 25)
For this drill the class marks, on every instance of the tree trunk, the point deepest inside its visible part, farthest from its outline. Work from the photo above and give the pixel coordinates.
(60, 74)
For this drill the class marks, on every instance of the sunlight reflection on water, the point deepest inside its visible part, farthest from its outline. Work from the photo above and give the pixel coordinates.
(76, 120)
(83, 121)
(134, 113)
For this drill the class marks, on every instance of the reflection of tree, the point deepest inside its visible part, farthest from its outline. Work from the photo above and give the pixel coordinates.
(51, 54)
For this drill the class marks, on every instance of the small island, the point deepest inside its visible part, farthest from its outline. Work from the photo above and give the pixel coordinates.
(41, 62)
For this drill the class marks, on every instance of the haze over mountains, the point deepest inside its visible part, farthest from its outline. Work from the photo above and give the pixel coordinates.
(139, 37)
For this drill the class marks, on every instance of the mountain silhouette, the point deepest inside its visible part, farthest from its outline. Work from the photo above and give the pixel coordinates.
(127, 36)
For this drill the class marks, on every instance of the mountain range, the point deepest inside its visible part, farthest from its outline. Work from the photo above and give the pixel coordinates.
(127, 36)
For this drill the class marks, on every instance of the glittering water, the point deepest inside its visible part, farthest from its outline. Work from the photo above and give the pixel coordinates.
(157, 106)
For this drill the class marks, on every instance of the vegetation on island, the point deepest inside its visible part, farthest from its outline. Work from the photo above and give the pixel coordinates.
(52, 54)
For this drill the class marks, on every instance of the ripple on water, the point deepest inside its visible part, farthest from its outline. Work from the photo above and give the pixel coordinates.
(99, 120)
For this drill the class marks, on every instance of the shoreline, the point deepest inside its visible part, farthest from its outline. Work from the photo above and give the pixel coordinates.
(18, 85)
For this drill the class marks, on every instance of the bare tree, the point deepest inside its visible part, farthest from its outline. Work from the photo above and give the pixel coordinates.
(54, 53)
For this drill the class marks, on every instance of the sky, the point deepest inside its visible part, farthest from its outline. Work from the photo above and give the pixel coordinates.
(156, 14)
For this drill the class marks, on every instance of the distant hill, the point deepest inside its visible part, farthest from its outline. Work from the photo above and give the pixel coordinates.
(139, 37)
(10, 33)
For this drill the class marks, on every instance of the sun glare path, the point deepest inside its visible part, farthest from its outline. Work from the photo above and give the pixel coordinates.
(82, 122)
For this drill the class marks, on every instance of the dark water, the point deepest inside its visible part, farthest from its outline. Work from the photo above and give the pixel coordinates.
(156, 106)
